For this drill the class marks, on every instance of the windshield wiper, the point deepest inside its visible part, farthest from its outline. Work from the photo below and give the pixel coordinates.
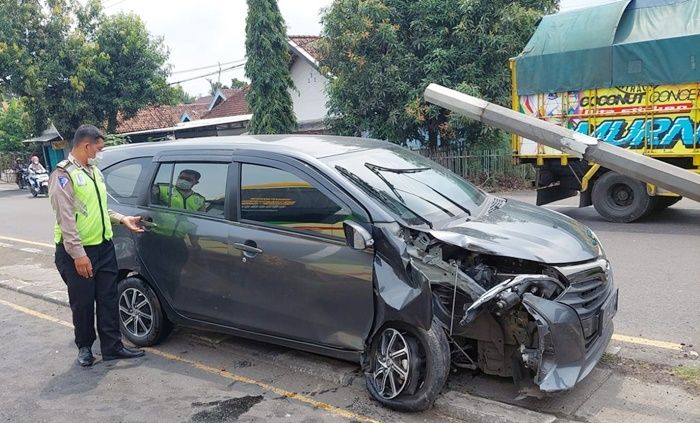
(373, 167)
(378, 169)
(379, 194)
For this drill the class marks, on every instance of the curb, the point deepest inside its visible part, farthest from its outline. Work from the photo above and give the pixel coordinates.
(467, 407)
(40, 296)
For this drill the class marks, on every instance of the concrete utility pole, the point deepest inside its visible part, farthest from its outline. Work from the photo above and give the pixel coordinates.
(634, 165)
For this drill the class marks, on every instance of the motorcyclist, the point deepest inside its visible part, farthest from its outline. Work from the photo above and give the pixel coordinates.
(34, 168)
(20, 168)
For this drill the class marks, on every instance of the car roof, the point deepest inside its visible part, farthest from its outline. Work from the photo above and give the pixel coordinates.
(318, 146)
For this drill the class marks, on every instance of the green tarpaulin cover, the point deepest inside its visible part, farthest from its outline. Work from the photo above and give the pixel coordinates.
(638, 42)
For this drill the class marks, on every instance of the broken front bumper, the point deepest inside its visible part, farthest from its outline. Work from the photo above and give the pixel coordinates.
(574, 329)
(565, 354)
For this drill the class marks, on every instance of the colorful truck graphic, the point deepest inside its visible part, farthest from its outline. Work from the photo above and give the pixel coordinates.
(614, 73)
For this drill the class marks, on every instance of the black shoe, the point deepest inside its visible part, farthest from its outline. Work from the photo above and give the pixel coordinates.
(124, 353)
(85, 357)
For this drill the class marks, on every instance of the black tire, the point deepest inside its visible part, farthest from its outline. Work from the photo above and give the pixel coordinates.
(619, 198)
(134, 292)
(663, 202)
(428, 366)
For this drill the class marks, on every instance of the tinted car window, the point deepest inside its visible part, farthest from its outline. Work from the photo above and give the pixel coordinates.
(192, 187)
(278, 197)
(122, 179)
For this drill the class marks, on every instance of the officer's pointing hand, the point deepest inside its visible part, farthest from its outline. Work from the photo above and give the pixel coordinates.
(83, 266)
(132, 223)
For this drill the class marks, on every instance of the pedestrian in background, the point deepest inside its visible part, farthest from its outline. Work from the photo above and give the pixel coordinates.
(85, 255)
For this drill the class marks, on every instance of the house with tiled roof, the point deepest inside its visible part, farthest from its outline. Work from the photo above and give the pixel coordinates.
(227, 113)
(309, 98)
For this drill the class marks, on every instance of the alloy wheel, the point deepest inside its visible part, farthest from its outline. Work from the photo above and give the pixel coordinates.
(135, 312)
(392, 358)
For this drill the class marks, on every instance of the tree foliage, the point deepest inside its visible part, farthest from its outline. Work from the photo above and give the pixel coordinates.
(14, 126)
(267, 67)
(73, 64)
(237, 84)
(383, 53)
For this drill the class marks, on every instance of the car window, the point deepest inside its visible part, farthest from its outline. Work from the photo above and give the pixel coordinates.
(192, 187)
(122, 179)
(277, 197)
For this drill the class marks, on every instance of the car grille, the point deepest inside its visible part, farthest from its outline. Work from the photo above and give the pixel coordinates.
(589, 287)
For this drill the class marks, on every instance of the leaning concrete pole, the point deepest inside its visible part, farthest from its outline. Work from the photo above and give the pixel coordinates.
(634, 165)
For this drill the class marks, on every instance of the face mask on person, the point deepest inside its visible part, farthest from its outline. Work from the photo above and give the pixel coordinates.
(94, 161)
(184, 184)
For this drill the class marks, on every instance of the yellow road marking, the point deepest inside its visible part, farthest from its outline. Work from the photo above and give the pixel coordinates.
(223, 373)
(40, 244)
(35, 313)
(647, 342)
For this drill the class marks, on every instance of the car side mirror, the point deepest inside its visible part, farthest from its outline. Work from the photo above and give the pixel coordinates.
(356, 236)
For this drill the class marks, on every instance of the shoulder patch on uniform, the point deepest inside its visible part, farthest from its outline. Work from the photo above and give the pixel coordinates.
(63, 181)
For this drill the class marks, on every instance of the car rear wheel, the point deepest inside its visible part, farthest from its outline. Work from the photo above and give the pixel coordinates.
(408, 366)
(141, 317)
(619, 198)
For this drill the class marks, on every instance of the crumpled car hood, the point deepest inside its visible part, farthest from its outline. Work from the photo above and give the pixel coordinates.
(524, 231)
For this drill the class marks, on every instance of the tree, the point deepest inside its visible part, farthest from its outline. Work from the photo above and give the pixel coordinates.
(72, 64)
(215, 86)
(182, 96)
(237, 84)
(14, 126)
(383, 53)
(267, 67)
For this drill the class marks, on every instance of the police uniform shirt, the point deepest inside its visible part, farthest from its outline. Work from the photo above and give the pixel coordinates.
(61, 195)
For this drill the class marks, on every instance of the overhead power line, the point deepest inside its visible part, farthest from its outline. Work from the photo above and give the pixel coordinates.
(207, 74)
(208, 67)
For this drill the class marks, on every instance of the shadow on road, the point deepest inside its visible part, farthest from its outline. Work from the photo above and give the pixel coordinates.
(678, 221)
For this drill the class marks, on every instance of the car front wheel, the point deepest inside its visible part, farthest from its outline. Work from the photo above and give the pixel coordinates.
(408, 366)
(141, 317)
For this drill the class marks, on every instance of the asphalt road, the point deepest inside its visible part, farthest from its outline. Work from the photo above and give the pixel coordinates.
(655, 261)
(180, 381)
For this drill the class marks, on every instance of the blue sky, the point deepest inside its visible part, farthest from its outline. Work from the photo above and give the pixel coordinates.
(206, 32)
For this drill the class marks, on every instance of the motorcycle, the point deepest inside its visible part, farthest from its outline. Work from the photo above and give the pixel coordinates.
(39, 183)
(22, 181)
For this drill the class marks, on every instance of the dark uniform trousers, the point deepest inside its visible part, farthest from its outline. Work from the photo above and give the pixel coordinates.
(83, 293)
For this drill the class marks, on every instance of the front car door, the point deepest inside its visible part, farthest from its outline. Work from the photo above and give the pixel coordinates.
(186, 251)
(297, 278)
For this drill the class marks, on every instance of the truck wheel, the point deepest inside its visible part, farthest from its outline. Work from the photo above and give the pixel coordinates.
(619, 198)
(664, 202)
(141, 317)
(408, 366)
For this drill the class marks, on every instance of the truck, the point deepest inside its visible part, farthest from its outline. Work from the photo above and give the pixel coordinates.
(626, 73)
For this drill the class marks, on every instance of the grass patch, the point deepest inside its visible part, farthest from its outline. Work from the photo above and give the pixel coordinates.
(688, 374)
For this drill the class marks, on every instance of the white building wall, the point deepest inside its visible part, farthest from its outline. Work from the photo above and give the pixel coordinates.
(309, 99)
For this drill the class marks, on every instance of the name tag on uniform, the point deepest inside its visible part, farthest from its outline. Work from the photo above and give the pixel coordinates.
(81, 179)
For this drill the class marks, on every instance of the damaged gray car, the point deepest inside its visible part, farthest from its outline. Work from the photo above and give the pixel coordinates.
(360, 250)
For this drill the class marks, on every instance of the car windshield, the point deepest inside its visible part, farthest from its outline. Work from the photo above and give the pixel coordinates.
(416, 189)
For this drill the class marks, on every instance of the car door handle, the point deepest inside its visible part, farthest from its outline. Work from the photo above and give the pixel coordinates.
(248, 248)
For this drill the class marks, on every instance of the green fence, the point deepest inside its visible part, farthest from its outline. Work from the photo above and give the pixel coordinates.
(484, 167)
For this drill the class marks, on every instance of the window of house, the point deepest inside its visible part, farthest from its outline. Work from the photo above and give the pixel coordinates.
(277, 197)
(122, 179)
(192, 187)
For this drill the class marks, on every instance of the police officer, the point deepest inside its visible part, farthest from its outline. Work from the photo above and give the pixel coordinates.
(85, 255)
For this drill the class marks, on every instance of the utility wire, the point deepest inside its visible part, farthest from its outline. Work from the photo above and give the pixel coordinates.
(207, 67)
(117, 3)
(205, 75)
